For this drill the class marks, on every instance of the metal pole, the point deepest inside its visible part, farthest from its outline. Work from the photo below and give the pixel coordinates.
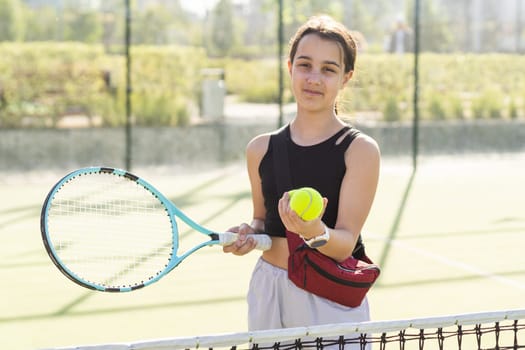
(128, 86)
(518, 26)
(415, 127)
(279, 62)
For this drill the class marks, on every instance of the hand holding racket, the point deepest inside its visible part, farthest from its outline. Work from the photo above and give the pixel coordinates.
(109, 230)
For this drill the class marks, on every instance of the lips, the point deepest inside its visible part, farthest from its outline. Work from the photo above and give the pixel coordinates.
(310, 92)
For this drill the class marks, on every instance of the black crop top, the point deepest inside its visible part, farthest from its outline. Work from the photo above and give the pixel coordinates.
(321, 166)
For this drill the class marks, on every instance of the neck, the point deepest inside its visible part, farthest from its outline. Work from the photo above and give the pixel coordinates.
(311, 128)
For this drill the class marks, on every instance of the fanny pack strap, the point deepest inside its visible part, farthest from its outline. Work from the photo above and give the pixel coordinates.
(281, 163)
(283, 178)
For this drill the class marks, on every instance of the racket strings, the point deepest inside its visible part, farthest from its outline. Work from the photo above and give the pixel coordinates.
(110, 230)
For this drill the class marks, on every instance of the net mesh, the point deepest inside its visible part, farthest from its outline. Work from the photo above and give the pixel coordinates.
(483, 331)
(97, 223)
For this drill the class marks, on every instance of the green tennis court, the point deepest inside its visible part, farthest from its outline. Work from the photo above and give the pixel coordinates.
(449, 239)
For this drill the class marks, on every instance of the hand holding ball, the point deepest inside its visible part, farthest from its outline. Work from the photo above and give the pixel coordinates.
(306, 202)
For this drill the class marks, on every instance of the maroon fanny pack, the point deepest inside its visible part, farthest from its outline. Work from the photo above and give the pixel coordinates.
(345, 282)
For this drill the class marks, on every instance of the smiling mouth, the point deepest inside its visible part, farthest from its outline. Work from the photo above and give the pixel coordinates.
(312, 92)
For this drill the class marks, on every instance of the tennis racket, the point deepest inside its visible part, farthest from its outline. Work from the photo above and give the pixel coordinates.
(109, 230)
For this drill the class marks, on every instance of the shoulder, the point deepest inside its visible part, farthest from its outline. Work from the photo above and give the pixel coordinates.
(363, 148)
(258, 145)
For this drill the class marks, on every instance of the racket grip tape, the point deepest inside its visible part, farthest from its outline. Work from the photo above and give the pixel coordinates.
(264, 242)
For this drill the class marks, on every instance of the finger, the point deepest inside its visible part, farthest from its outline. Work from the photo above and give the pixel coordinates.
(230, 248)
(245, 229)
(234, 229)
(284, 206)
(235, 246)
(244, 247)
(325, 203)
(247, 247)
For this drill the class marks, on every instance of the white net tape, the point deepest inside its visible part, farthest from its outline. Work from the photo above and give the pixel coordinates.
(429, 329)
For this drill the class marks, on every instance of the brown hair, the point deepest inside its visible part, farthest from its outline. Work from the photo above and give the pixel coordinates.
(327, 28)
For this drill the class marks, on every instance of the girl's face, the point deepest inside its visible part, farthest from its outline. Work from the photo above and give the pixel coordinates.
(317, 73)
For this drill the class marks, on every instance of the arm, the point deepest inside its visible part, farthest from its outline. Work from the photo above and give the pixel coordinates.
(255, 151)
(356, 195)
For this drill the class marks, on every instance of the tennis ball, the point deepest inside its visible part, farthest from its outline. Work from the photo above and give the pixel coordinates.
(306, 202)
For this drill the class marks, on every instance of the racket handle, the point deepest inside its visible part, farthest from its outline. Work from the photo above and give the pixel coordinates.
(264, 242)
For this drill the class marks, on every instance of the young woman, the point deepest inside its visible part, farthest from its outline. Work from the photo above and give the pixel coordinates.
(326, 154)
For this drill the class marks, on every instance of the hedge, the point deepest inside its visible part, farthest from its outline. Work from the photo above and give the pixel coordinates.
(41, 83)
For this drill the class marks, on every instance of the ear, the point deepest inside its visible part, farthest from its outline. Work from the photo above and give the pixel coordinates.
(289, 67)
(346, 78)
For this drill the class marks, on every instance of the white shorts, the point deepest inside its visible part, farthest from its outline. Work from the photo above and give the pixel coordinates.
(275, 302)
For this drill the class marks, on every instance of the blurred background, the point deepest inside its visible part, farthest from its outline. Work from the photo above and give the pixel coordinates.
(176, 82)
(174, 89)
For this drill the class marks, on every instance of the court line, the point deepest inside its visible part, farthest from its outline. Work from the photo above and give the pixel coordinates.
(397, 220)
(456, 264)
(119, 309)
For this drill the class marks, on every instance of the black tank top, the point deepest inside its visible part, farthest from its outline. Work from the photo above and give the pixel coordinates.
(321, 166)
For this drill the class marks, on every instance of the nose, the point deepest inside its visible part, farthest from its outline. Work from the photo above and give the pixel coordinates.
(313, 78)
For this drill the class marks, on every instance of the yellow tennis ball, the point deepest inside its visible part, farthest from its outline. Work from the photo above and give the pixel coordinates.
(306, 202)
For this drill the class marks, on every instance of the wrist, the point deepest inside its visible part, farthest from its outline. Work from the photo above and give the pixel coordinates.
(318, 240)
(314, 230)
(257, 225)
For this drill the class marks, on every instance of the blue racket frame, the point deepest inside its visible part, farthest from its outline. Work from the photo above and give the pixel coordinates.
(172, 210)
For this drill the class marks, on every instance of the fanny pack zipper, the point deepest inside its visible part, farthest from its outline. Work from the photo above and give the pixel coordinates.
(336, 279)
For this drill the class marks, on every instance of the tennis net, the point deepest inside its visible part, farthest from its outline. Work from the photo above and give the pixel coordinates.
(483, 331)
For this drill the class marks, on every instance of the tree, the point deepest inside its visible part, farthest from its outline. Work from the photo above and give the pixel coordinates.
(359, 17)
(12, 25)
(436, 35)
(84, 26)
(164, 23)
(41, 24)
(222, 29)
(151, 25)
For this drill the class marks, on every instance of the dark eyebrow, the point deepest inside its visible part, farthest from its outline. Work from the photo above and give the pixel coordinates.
(325, 62)
(332, 63)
